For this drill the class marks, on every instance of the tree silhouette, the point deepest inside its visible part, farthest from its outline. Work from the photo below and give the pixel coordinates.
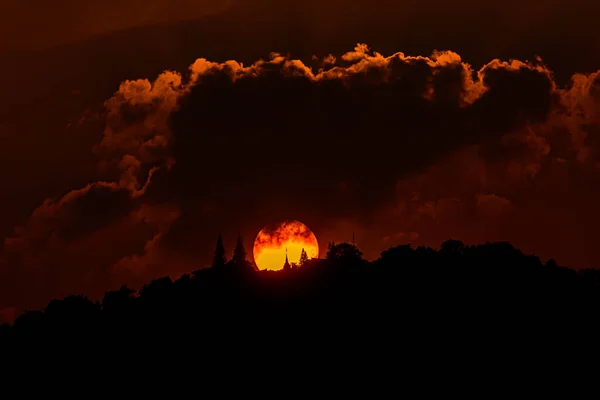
(345, 251)
(118, 300)
(303, 258)
(29, 324)
(4, 331)
(239, 253)
(219, 260)
(71, 315)
(461, 285)
(452, 247)
(399, 254)
(330, 245)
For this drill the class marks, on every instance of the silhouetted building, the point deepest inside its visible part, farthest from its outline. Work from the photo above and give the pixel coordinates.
(286, 266)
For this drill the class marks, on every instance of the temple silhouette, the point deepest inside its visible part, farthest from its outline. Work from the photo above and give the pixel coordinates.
(286, 265)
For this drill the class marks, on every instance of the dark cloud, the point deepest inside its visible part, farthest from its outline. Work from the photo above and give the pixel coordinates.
(337, 140)
(392, 148)
(284, 139)
(84, 241)
(492, 206)
(78, 213)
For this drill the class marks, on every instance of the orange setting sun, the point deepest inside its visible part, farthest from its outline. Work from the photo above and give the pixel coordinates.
(271, 244)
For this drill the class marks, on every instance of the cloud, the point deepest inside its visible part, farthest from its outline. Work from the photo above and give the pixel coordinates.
(75, 213)
(492, 206)
(581, 115)
(152, 258)
(88, 240)
(403, 103)
(136, 130)
(394, 147)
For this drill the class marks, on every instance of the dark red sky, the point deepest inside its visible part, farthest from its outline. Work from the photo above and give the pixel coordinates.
(395, 149)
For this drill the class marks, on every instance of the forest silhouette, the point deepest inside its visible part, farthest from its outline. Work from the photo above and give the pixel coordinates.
(405, 291)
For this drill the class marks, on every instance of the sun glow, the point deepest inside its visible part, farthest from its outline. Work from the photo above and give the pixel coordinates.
(271, 243)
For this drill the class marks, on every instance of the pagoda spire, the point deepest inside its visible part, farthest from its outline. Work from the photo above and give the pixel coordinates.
(287, 263)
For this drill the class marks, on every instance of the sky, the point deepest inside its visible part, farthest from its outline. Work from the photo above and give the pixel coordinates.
(134, 132)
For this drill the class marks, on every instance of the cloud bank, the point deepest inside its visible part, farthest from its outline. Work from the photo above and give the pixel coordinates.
(394, 148)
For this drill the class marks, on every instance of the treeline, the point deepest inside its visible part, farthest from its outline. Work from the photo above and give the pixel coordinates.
(492, 285)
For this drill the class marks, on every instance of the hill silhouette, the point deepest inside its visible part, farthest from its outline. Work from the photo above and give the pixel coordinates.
(455, 294)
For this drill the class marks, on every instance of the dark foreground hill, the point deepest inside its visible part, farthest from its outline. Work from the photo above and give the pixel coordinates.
(409, 300)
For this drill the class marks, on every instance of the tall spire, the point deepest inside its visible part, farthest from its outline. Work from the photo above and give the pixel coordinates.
(287, 263)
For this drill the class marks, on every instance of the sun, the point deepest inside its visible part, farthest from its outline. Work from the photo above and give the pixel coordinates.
(271, 243)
